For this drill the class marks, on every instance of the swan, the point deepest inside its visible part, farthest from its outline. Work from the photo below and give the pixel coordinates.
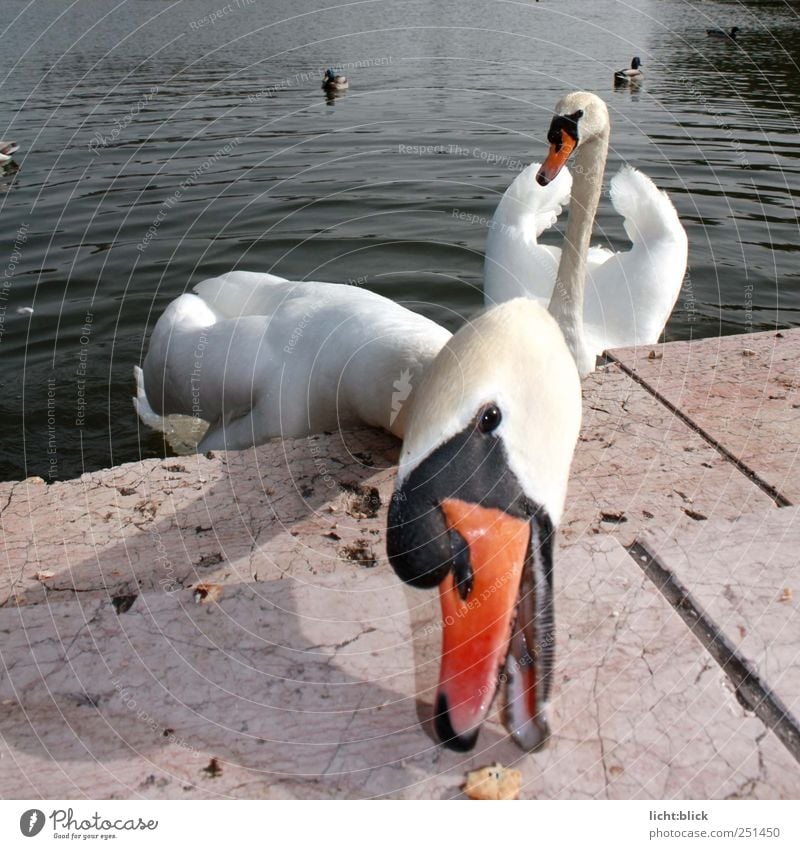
(634, 73)
(720, 33)
(7, 150)
(481, 485)
(600, 299)
(257, 357)
(332, 81)
(484, 462)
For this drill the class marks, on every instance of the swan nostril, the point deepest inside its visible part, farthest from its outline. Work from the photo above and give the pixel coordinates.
(462, 567)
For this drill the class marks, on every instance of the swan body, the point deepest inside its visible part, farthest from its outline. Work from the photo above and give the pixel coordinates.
(259, 357)
(7, 150)
(484, 463)
(634, 73)
(332, 81)
(601, 299)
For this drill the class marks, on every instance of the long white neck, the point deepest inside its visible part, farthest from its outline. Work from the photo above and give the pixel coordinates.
(566, 302)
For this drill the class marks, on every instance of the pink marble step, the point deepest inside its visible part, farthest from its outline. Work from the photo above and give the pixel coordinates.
(637, 465)
(743, 391)
(745, 574)
(312, 675)
(321, 685)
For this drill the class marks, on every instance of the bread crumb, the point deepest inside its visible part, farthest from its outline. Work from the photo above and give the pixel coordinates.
(493, 783)
(786, 595)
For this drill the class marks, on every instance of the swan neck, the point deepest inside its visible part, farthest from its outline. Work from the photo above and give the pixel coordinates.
(566, 303)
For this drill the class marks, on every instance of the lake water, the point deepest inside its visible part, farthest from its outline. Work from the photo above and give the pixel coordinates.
(165, 142)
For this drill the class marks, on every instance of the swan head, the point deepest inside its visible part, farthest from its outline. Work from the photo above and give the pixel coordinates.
(581, 119)
(481, 486)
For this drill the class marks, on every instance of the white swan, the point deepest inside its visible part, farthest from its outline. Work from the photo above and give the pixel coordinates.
(258, 356)
(483, 467)
(7, 150)
(601, 299)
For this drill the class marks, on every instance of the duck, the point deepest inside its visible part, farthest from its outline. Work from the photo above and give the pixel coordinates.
(484, 461)
(332, 81)
(7, 150)
(600, 299)
(720, 33)
(634, 73)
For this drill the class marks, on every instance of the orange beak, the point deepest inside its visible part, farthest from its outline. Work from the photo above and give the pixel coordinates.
(556, 159)
(477, 617)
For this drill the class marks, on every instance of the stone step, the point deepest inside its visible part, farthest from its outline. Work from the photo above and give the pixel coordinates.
(744, 576)
(227, 625)
(322, 686)
(742, 391)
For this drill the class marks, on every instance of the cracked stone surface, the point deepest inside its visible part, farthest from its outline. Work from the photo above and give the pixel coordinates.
(161, 524)
(744, 391)
(322, 501)
(637, 465)
(745, 574)
(321, 685)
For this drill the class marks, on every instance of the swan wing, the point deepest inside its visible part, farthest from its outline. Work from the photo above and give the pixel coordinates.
(257, 356)
(516, 264)
(630, 295)
(239, 293)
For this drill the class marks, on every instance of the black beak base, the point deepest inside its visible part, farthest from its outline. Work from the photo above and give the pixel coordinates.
(471, 466)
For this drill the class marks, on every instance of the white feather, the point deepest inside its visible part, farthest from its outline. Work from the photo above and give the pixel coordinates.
(629, 295)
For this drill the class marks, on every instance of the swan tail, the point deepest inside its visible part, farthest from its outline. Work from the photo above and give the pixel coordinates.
(240, 293)
(142, 405)
(531, 207)
(648, 212)
(173, 343)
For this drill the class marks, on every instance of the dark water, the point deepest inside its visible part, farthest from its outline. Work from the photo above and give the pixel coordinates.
(159, 147)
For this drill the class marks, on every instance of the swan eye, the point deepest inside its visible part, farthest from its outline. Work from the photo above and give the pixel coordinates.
(489, 418)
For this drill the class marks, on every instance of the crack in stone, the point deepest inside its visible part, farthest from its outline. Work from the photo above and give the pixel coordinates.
(334, 647)
(778, 497)
(342, 741)
(749, 688)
